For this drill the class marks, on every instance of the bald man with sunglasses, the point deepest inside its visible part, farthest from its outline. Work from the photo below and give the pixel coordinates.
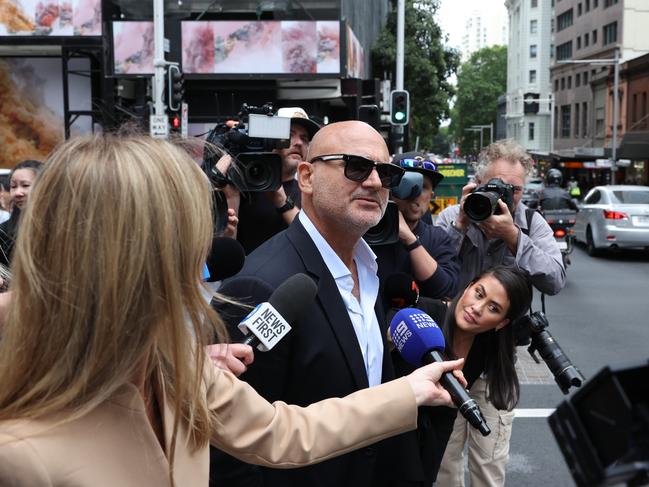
(339, 346)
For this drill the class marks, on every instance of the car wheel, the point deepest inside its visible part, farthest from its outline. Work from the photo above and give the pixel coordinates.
(590, 245)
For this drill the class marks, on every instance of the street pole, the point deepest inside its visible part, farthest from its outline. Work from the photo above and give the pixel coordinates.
(159, 61)
(491, 132)
(552, 122)
(401, 13)
(616, 108)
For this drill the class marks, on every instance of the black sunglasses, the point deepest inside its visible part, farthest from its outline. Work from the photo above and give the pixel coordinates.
(359, 168)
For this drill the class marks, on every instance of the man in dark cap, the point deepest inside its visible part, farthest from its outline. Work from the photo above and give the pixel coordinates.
(423, 251)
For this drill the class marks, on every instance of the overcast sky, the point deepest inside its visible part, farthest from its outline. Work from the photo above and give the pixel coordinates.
(452, 14)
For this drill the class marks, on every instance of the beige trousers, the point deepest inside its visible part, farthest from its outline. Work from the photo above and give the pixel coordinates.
(488, 455)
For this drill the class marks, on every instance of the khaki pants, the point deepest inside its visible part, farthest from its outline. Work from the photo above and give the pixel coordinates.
(488, 455)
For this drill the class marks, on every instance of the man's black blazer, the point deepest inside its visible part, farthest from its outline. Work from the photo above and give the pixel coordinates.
(318, 359)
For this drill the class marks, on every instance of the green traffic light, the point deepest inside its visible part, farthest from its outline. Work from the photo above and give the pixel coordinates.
(399, 116)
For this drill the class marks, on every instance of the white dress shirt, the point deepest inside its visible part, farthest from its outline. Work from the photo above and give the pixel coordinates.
(361, 314)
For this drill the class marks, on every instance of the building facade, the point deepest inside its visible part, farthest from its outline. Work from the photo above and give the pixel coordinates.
(528, 74)
(592, 29)
(483, 28)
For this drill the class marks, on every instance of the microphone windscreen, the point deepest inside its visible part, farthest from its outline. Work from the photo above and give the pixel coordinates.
(226, 258)
(293, 296)
(414, 333)
(401, 290)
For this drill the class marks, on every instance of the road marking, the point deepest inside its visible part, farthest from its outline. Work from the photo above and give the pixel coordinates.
(532, 413)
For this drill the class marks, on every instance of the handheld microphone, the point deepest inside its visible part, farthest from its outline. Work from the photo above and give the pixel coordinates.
(419, 340)
(401, 290)
(270, 321)
(226, 258)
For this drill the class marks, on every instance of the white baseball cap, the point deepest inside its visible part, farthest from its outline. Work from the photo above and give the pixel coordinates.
(299, 116)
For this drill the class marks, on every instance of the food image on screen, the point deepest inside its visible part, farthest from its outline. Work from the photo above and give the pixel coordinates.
(14, 19)
(65, 17)
(134, 47)
(86, 18)
(28, 128)
(198, 47)
(328, 47)
(299, 47)
(47, 13)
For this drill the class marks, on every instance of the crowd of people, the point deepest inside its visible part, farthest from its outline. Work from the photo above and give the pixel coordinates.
(119, 365)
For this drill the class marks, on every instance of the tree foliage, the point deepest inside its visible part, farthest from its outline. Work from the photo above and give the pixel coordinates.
(480, 81)
(427, 66)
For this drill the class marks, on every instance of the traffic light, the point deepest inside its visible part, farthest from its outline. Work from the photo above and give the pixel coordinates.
(175, 87)
(399, 107)
(175, 123)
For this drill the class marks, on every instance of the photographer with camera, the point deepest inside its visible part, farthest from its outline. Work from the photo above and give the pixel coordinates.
(263, 214)
(423, 251)
(491, 226)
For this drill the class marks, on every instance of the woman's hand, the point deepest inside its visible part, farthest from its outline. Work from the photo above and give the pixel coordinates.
(234, 357)
(425, 382)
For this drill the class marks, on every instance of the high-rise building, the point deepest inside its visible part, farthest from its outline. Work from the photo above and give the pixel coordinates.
(483, 28)
(592, 29)
(528, 73)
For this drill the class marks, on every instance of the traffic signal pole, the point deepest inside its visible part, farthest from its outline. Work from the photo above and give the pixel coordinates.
(159, 62)
(401, 11)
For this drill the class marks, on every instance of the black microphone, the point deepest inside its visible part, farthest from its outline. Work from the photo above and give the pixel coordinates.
(226, 258)
(419, 340)
(270, 321)
(401, 290)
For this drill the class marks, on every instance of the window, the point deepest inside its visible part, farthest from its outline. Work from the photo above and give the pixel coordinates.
(587, 5)
(533, 50)
(556, 125)
(556, 84)
(610, 33)
(634, 109)
(577, 80)
(595, 36)
(576, 120)
(578, 9)
(534, 26)
(532, 75)
(599, 123)
(584, 119)
(530, 131)
(565, 121)
(563, 83)
(609, 3)
(586, 38)
(570, 82)
(534, 3)
(579, 42)
(593, 198)
(564, 51)
(585, 78)
(644, 103)
(595, 3)
(564, 20)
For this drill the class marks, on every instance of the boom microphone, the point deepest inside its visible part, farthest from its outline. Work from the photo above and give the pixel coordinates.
(419, 340)
(270, 321)
(226, 258)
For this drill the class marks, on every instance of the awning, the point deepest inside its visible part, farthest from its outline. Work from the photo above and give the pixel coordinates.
(634, 145)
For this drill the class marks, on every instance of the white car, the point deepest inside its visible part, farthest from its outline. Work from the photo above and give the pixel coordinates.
(614, 217)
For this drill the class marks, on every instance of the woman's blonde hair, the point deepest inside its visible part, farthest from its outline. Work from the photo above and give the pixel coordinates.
(107, 280)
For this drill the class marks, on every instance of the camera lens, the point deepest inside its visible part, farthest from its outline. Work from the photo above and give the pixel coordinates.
(257, 175)
(480, 205)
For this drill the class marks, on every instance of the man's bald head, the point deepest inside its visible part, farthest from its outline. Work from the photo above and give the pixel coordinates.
(349, 137)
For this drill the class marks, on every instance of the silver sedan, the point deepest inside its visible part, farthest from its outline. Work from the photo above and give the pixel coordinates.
(614, 217)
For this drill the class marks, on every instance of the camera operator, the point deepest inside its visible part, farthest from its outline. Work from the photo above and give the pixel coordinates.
(553, 196)
(510, 236)
(264, 214)
(424, 251)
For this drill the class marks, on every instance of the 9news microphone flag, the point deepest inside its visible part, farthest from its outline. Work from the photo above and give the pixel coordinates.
(419, 341)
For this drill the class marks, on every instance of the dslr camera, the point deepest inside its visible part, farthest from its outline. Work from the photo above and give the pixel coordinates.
(532, 330)
(250, 141)
(483, 200)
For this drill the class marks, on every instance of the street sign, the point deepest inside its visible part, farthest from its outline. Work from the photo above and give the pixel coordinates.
(159, 126)
(184, 117)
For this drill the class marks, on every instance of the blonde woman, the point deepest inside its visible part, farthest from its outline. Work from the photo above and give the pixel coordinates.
(103, 382)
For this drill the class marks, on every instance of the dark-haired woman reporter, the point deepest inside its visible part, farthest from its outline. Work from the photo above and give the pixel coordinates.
(105, 378)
